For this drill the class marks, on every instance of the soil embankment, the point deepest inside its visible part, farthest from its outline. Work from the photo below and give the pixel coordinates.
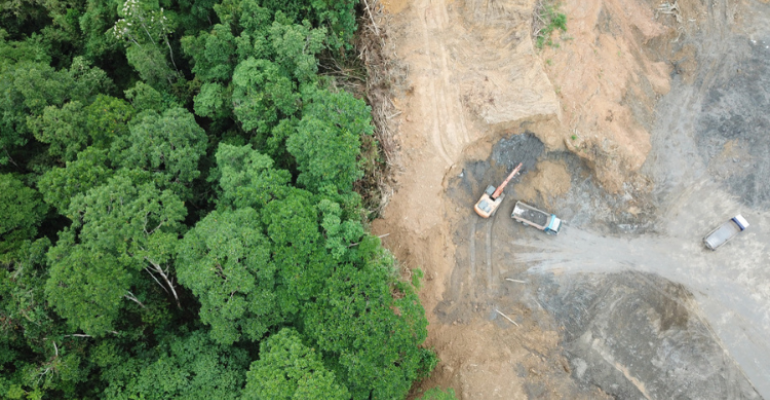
(584, 122)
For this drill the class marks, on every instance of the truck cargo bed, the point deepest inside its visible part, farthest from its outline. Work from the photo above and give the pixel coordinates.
(531, 215)
(535, 217)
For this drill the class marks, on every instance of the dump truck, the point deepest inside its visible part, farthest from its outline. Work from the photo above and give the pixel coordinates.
(723, 233)
(533, 217)
(492, 198)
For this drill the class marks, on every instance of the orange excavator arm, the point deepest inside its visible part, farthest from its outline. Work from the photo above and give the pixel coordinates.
(500, 188)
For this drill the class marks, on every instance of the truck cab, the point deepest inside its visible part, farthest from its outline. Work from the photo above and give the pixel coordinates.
(554, 225)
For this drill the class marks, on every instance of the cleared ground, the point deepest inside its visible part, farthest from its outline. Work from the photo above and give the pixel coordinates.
(625, 302)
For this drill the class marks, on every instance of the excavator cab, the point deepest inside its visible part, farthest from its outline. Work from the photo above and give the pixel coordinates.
(486, 207)
(493, 197)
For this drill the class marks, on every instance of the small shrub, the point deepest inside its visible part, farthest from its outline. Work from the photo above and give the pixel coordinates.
(438, 394)
(547, 19)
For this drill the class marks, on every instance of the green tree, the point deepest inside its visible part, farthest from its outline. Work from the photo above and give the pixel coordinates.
(289, 370)
(72, 127)
(107, 118)
(339, 233)
(296, 47)
(98, 17)
(64, 129)
(326, 144)
(338, 16)
(22, 212)
(225, 261)
(288, 217)
(247, 178)
(214, 58)
(168, 144)
(213, 52)
(213, 101)
(262, 95)
(60, 185)
(145, 98)
(36, 355)
(193, 15)
(438, 394)
(29, 87)
(370, 336)
(87, 287)
(190, 367)
(145, 28)
(118, 230)
(297, 249)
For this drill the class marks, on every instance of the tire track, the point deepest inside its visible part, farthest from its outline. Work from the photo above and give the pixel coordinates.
(429, 107)
(472, 258)
(490, 275)
(443, 105)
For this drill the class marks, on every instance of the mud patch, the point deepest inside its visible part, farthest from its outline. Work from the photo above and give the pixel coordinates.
(550, 180)
(734, 127)
(561, 184)
(634, 336)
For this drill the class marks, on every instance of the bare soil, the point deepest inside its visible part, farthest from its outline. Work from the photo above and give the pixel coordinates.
(477, 98)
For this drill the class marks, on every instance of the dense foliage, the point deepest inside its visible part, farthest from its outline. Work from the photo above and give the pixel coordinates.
(177, 213)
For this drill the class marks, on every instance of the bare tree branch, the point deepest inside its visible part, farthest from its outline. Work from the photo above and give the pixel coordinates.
(159, 270)
(156, 280)
(133, 298)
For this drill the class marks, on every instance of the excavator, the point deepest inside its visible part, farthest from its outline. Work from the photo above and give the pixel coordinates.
(492, 198)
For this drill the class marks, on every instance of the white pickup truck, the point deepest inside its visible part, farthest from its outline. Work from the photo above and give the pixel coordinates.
(531, 216)
(725, 232)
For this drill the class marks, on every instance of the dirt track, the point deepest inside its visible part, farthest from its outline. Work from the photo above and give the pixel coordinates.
(625, 302)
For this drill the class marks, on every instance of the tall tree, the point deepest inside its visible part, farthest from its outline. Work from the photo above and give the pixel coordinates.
(289, 370)
(225, 261)
(29, 87)
(168, 145)
(188, 367)
(37, 354)
(74, 126)
(326, 144)
(371, 337)
(60, 185)
(146, 30)
(262, 95)
(22, 212)
(248, 178)
(64, 129)
(296, 46)
(119, 230)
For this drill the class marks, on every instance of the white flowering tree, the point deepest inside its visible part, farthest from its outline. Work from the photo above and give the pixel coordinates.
(146, 29)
